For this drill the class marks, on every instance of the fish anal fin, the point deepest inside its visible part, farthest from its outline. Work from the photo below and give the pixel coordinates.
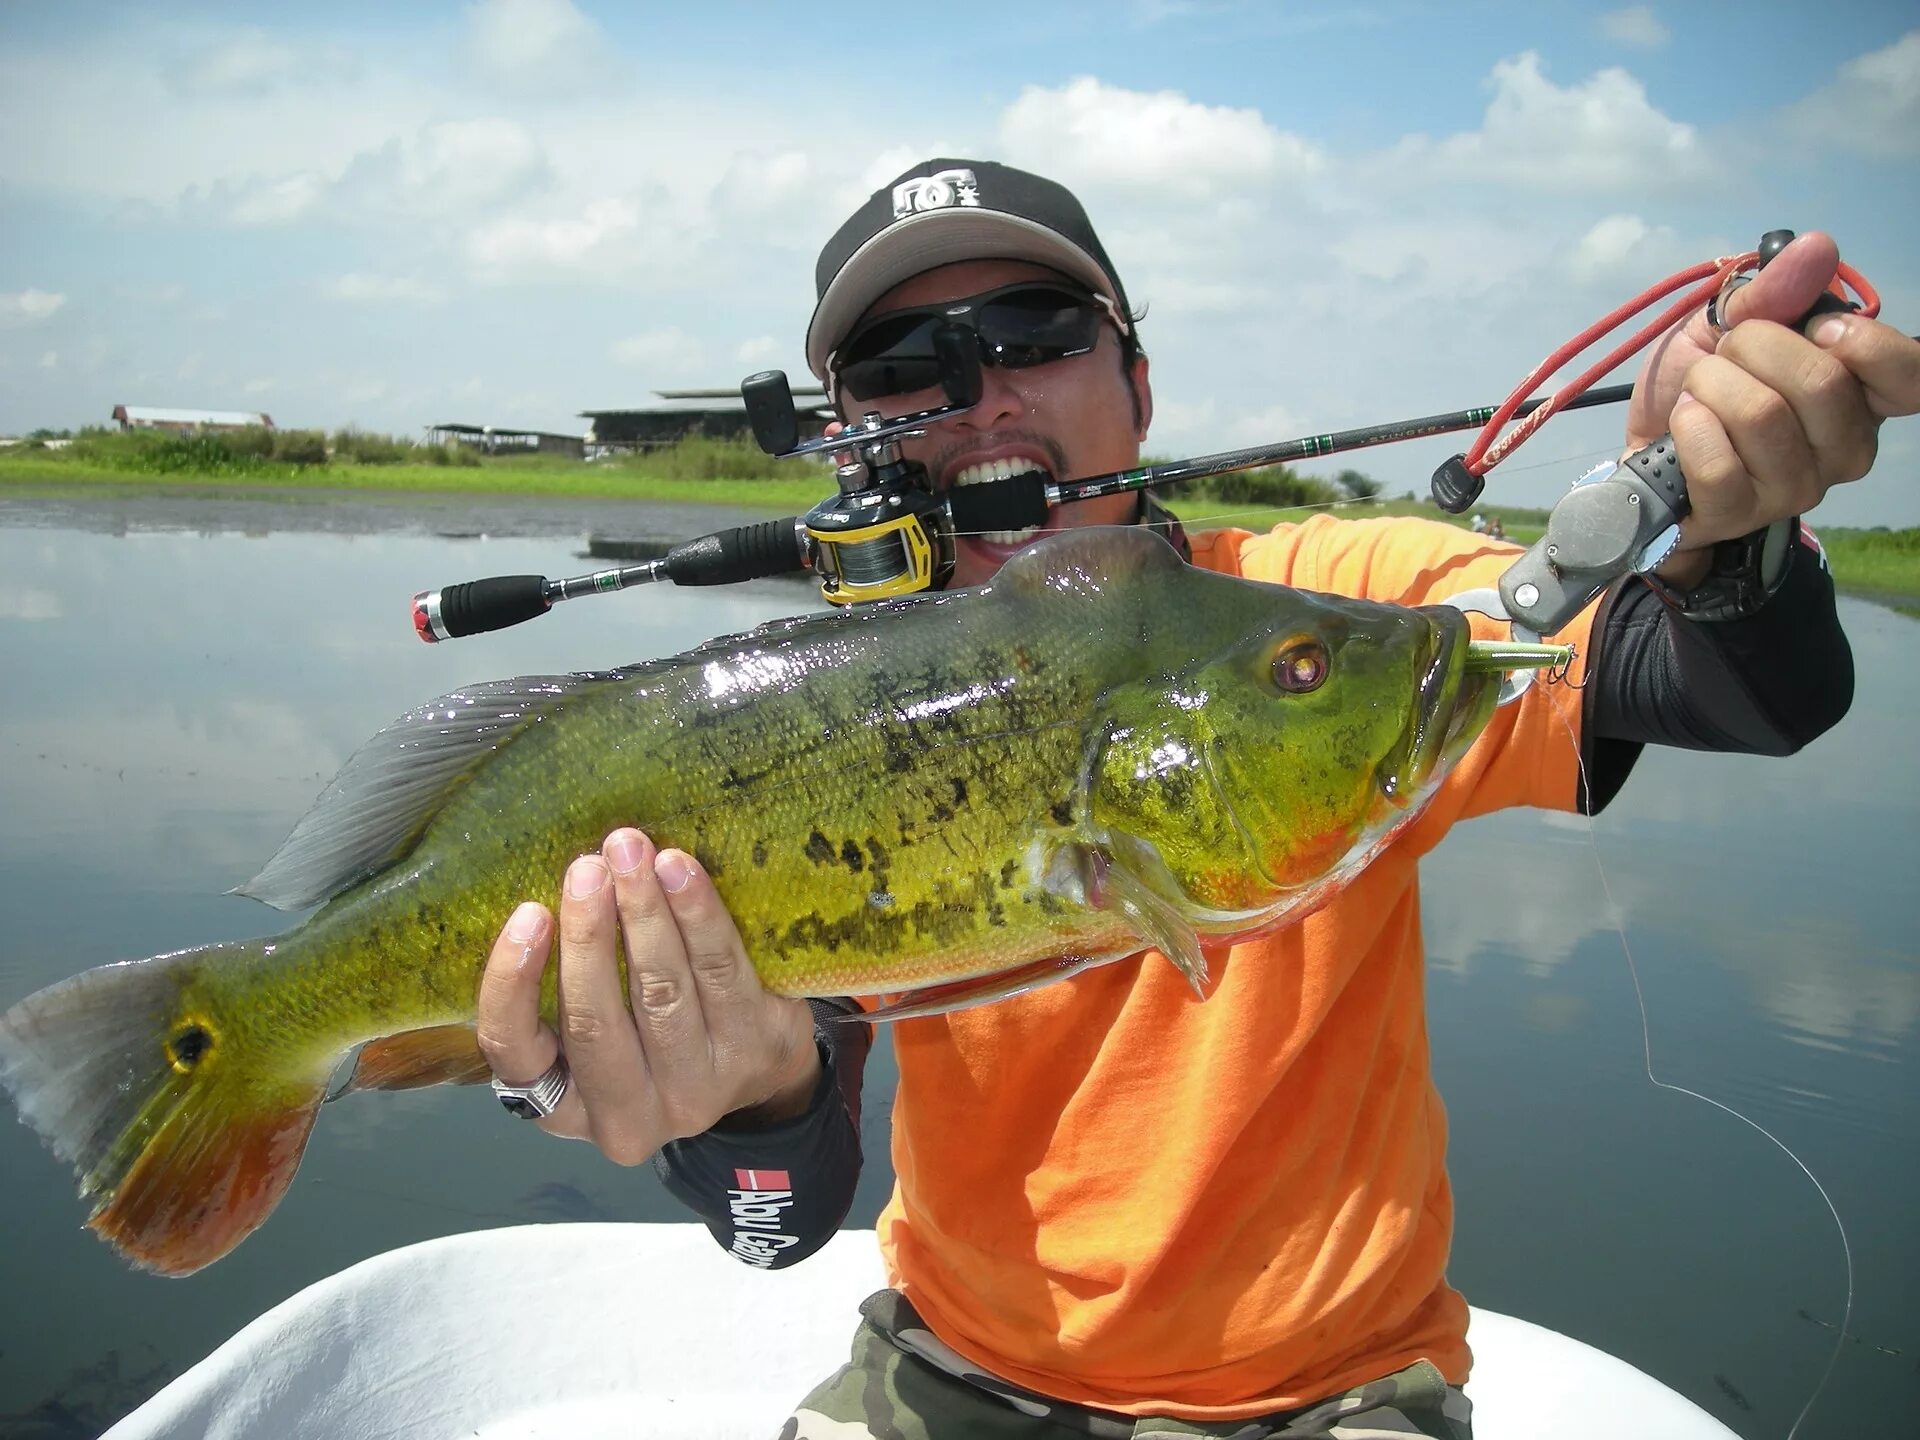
(204, 1183)
(979, 990)
(414, 1059)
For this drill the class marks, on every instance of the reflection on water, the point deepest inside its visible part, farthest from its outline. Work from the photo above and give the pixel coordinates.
(174, 700)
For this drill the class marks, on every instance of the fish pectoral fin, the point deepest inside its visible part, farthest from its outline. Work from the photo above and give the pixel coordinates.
(414, 1059)
(1155, 920)
(961, 994)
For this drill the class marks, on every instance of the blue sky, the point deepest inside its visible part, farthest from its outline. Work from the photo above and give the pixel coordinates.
(513, 210)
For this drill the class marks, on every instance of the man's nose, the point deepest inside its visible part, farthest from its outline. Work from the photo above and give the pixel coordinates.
(1001, 400)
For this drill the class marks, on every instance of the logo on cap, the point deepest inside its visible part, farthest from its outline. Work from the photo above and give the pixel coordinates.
(935, 192)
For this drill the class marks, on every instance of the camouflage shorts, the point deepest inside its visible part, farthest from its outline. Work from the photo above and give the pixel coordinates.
(904, 1384)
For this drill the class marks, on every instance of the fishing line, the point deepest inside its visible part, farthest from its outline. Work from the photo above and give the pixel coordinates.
(1646, 1039)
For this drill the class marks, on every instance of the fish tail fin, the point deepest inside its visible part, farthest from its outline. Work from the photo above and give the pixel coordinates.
(182, 1135)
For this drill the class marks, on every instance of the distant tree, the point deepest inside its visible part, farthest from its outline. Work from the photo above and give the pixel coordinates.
(1357, 485)
(45, 434)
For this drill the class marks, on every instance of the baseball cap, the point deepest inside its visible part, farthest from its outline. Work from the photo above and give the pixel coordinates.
(942, 211)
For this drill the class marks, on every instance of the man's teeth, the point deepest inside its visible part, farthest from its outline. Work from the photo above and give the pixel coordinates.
(999, 470)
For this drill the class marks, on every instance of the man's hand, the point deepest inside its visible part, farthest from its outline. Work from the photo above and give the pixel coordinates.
(1767, 420)
(701, 1038)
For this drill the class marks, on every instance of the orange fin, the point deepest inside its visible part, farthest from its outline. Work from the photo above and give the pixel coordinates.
(436, 1055)
(960, 994)
(203, 1184)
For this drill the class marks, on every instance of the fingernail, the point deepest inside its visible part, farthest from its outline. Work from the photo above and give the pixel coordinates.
(525, 923)
(1683, 397)
(625, 852)
(674, 870)
(585, 877)
(1831, 330)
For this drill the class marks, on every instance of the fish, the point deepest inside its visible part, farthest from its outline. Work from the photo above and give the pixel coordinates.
(938, 800)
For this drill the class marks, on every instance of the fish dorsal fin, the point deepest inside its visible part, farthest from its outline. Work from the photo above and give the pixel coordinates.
(373, 811)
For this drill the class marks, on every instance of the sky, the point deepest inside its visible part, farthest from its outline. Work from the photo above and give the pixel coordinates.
(510, 211)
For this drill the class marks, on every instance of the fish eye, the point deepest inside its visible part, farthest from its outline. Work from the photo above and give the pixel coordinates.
(1301, 666)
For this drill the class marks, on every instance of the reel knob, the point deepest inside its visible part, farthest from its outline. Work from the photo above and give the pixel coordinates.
(769, 401)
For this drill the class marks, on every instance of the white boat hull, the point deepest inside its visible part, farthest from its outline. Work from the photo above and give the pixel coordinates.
(591, 1332)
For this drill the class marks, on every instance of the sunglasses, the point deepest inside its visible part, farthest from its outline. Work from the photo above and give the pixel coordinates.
(1016, 326)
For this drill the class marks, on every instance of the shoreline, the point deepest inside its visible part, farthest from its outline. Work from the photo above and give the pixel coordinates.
(625, 528)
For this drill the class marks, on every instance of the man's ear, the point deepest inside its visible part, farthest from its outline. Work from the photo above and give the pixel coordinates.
(1142, 396)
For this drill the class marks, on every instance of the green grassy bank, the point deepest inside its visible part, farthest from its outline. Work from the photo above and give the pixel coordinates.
(1882, 564)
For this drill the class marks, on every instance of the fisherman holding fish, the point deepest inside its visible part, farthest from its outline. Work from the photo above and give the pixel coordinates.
(1113, 1202)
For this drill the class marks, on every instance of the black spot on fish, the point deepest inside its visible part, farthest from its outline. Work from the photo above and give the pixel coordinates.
(898, 758)
(959, 792)
(851, 857)
(1062, 812)
(759, 854)
(941, 812)
(709, 863)
(189, 1045)
(877, 855)
(1007, 872)
(819, 849)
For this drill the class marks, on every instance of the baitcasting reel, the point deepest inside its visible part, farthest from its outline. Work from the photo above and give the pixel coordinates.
(883, 532)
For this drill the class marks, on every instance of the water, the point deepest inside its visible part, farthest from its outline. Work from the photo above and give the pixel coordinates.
(174, 697)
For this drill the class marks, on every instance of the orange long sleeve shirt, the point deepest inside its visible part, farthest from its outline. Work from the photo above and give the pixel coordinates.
(1114, 1194)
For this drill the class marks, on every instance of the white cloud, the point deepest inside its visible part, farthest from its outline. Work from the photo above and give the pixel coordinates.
(253, 63)
(273, 202)
(1616, 246)
(532, 44)
(1090, 131)
(28, 307)
(358, 288)
(1636, 25)
(758, 349)
(1873, 105)
(50, 360)
(670, 349)
(1601, 135)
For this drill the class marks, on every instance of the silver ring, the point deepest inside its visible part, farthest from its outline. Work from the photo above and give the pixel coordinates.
(539, 1099)
(1717, 305)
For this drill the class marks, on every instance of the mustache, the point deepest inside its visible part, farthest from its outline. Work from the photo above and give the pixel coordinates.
(1049, 447)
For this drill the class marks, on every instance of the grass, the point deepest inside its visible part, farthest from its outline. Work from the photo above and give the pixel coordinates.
(1883, 564)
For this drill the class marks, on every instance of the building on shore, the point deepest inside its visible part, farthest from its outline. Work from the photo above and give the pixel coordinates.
(678, 414)
(500, 440)
(186, 422)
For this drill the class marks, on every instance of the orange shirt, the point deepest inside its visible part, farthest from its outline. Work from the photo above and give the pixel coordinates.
(1114, 1194)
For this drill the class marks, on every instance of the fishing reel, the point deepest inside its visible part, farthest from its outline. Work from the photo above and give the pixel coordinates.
(883, 532)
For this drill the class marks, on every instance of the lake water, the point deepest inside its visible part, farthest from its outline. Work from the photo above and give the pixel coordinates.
(179, 678)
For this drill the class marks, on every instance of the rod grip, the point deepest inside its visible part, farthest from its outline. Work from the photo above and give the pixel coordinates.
(748, 552)
(475, 606)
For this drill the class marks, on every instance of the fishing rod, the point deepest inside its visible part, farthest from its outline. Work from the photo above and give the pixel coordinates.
(886, 533)
(861, 560)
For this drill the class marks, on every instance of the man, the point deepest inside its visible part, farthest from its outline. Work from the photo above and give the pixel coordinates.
(1113, 1202)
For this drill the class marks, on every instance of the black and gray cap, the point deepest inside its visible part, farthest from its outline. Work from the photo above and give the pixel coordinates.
(940, 212)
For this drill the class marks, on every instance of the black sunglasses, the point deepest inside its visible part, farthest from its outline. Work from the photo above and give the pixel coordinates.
(1028, 323)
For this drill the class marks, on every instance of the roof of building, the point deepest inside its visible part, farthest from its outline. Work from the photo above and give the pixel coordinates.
(500, 432)
(163, 415)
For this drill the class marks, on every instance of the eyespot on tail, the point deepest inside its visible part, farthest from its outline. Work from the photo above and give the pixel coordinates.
(180, 1138)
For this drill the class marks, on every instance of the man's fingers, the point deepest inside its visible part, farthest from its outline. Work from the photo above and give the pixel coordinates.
(609, 1068)
(1884, 360)
(666, 999)
(1782, 292)
(1805, 394)
(518, 1045)
(736, 1006)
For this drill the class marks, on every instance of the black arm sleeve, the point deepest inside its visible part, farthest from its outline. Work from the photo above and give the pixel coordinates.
(773, 1196)
(1764, 685)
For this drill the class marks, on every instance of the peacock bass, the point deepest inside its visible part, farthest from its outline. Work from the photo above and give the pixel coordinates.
(945, 799)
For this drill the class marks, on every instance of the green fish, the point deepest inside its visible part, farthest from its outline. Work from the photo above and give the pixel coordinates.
(948, 799)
